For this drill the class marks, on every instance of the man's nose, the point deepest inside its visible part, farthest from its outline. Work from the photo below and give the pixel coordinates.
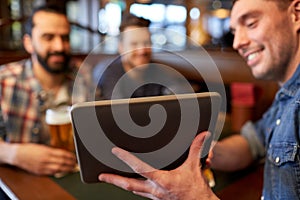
(240, 39)
(58, 44)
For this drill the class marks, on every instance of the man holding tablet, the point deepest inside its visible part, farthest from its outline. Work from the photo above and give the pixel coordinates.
(267, 35)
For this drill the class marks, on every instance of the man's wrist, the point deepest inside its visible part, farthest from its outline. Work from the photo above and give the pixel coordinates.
(8, 153)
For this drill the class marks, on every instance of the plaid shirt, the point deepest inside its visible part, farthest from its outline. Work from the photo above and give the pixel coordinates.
(24, 102)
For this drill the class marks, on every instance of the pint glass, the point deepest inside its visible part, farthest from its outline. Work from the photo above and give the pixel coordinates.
(60, 128)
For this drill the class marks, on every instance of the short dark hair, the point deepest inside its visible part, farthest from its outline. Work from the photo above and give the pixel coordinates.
(129, 19)
(282, 4)
(51, 8)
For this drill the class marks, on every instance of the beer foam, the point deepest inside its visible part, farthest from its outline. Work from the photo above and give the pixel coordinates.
(60, 115)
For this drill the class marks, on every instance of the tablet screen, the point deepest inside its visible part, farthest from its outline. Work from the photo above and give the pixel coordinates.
(158, 130)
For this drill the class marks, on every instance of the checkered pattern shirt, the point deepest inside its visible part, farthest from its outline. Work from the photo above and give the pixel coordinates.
(24, 102)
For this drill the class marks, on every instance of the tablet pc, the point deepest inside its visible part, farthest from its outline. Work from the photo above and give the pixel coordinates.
(158, 130)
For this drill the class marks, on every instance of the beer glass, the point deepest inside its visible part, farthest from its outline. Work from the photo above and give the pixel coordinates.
(60, 128)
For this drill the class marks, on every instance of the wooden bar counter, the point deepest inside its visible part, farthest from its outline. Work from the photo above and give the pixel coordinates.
(27, 186)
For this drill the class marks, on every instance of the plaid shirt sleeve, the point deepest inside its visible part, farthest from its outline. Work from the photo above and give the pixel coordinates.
(2, 127)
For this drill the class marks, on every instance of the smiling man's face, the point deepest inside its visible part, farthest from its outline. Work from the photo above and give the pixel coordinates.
(135, 47)
(265, 37)
(50, 41)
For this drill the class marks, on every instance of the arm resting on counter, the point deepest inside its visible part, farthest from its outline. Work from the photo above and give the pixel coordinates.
(230, 154)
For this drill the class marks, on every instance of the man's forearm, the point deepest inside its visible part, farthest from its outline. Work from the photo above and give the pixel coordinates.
(231, 154)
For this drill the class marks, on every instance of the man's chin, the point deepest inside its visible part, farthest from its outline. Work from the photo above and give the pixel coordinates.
(58, 68)
(143, 63)
(262, 75)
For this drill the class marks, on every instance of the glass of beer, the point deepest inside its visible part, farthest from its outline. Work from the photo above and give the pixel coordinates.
(60, 128)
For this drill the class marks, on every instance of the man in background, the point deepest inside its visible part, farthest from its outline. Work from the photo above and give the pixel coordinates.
(29, 87)
(134, 67)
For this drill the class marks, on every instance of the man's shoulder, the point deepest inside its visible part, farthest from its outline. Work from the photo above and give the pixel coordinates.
(12, 70)
(107, 63)
(110, 68)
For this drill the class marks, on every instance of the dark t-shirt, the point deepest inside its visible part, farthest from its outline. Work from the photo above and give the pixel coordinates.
(110, 75)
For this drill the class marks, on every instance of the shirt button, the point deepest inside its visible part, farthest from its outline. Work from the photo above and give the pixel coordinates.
(277, 159)
(278, 122)
(35, 130)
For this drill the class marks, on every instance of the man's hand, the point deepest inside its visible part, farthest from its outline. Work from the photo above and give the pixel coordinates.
(184, 183)
(41, 159)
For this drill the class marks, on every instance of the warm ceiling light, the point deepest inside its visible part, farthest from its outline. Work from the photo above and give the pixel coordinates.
(221, 13)
(143, 1)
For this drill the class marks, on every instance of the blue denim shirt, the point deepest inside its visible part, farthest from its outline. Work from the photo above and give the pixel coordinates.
(275, 137)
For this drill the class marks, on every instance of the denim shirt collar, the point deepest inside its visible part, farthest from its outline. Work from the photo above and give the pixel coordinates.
(290, 88)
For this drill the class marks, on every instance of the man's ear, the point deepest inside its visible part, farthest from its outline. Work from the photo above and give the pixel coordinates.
(27, 43)
(295, 8)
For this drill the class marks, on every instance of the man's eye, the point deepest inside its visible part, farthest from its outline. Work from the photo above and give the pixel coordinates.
(147, 44)
(251, 24)
(65, 38)
(48, 37)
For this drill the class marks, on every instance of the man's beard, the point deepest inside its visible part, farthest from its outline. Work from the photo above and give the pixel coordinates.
(63, 67)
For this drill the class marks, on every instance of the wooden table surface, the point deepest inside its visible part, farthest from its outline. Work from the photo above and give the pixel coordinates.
(27, 186)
